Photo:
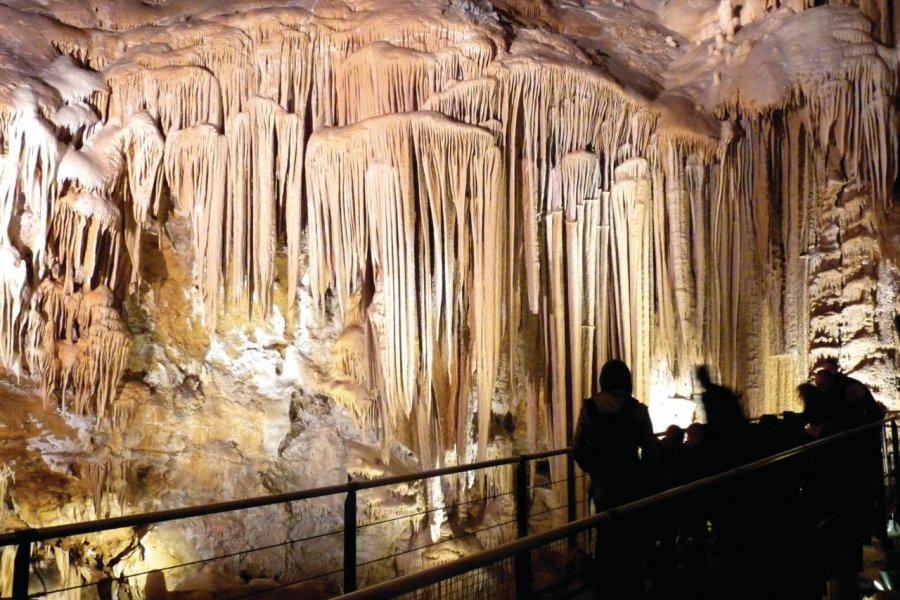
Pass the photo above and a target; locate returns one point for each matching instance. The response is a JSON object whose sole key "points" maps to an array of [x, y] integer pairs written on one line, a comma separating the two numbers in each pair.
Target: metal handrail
{"points": [[47, 533], [25, 537], [521, 546]]}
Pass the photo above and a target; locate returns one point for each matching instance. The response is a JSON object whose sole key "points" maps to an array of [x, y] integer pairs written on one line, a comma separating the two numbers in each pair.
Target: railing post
{"points": [[22, 564], [570, 492], [522, 498], [523, 559], [570, 486], [895, 451], [350, 538]]}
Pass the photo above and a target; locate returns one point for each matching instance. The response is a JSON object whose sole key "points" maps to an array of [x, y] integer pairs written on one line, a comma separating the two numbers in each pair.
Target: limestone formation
{"points": [[407, 234]]}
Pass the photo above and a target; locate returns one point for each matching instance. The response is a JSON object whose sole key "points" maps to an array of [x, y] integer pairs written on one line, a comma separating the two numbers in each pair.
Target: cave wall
{"points": [[407, 235]]}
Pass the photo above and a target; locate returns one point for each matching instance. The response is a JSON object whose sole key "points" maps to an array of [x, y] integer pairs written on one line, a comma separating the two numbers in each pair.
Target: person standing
{"points": [[725, 420], [614, 443]]}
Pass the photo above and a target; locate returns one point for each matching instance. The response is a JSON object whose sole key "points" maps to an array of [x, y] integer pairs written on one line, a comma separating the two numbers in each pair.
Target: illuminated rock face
{"points": [[406, 232]]}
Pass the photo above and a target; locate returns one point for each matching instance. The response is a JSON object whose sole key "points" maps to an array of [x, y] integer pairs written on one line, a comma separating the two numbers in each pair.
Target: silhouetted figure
{"points": [[667, 519], [611, 429], [725, 421], [694, 516], [793, 430], [766, 436], [858, 466], [727, 447], [672, 458], [819, 411], [853, 397]]}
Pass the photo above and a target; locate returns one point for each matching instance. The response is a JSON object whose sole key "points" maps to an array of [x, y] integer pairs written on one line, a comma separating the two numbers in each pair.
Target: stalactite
{"points": [[143, 148], [384, 162], [34, 154], [573, 227], [630, 224], [107, 478], [31, 332], [542, 219], [262, 228], [178, 97], [195, 165], [13, 286], [487, 214], [472, 101], [104, 343], [683, 209], [852, 112], [84, 347], [568, 110], [86, 234], [380, 79]]}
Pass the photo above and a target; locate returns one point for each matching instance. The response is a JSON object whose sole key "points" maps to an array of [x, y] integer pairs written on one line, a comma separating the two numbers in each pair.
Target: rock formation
{"points": [[400, 235]]}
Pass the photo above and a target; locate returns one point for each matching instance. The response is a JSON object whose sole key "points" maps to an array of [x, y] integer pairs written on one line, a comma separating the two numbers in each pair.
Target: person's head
{"points": [[674, 435], [830, 364], [703, 375], [694, 435], [768, 423], [615, 376], [808, 393], [824, 378]]}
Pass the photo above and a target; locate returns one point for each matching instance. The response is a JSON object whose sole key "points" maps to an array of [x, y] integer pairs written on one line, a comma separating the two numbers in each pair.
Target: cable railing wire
{"points": [[24, 538], [460, 567], [435, 509], [197, 562], [437, 543], [12, 538], [233, 554], [42, 535], [266, 590]]}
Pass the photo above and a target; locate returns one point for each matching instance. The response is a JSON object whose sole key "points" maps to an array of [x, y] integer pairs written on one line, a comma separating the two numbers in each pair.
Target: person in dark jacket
{"points": [[725, 420], [614, 443], [614, 440]]}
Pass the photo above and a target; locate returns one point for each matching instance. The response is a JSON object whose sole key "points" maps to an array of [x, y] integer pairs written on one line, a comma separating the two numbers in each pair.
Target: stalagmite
{"points": [[7, 565]]}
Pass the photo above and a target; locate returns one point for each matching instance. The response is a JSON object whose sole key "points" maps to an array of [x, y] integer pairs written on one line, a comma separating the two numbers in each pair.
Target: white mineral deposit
{"points": [[250, 247]]}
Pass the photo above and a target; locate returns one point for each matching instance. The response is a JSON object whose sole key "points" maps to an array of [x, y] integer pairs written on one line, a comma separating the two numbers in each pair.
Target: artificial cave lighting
{"points": [[252, 247]]}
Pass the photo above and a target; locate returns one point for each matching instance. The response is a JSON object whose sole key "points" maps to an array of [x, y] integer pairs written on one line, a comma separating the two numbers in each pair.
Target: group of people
{"points": [[615, 444], [836, 402]]}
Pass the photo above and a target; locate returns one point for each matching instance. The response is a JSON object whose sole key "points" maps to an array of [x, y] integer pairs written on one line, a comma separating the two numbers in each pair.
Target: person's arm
{"points": [[648, 441], [581, 445]]}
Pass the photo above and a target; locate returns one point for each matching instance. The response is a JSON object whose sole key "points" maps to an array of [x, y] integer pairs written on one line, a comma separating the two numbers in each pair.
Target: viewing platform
{"points": [[791, 524]]}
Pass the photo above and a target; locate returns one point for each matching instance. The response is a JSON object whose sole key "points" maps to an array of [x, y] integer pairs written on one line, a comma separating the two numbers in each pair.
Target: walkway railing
{"points": [[823, 509], [523, 567], [346, 573]]}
